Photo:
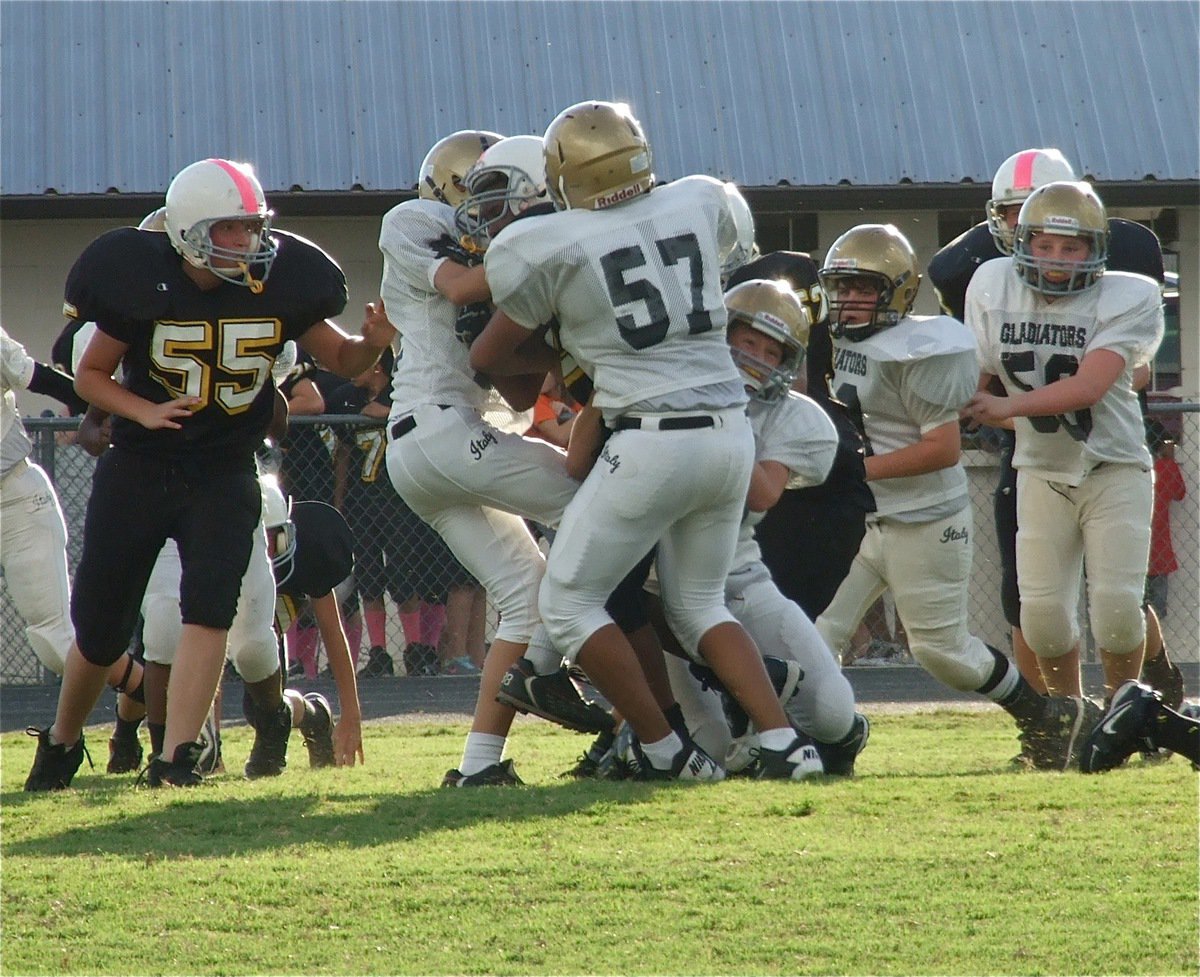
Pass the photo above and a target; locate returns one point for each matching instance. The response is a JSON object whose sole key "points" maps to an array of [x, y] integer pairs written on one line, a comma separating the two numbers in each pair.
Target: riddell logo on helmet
{"points": [[619, 196]]}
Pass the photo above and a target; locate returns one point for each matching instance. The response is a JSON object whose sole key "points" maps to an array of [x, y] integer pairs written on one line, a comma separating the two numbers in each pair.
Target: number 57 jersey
{"points": [[1029, 342]]}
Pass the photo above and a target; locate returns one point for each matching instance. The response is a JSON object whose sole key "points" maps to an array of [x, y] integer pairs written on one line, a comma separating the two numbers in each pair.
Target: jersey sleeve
{"points": [[16, 365], [953, 267], [518, 290], [309, 280], [115, 281], [799, 435], [1132, 324], [1134, 247], [406, 238], [936, 387], [976, 318]]}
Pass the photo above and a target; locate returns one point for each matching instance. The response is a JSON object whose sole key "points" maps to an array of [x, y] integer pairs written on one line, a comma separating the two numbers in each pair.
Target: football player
{"points": [[795, 444], [905, 379], [473, 483], [1132, 247], [197, 316], [33, 533], [1064, 337], [631, 275]]}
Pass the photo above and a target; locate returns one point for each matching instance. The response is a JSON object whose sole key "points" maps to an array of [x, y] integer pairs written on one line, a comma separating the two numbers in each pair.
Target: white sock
{"points": [[662, 752], [777, 739], [482, 751], [545, 657]]}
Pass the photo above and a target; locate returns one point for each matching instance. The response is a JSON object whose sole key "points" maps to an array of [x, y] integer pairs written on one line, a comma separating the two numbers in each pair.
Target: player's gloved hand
{"points": [[447, 247], [471, 321]]}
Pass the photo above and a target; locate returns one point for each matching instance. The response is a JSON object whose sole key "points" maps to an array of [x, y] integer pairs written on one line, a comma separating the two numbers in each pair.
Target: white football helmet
{"points": [[775, 310], [1017, 177], [214, 190], [508, 178], [745, 249], [156, 220], [1072, 209], [281, 531], [446, 164]]}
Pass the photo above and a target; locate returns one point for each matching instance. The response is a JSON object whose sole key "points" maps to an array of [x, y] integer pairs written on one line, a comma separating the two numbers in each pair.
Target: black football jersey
{"points": [[324, 558], [800, 271], [1131, 247], [217, 345]]}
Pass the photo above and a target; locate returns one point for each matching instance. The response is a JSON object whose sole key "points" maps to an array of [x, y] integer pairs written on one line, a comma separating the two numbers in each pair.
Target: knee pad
{"points": [[569, 618], [1118, 622], [50, 641], [255, 658], [1049, 628], [161, 629], [825, 709], [953, 657]]}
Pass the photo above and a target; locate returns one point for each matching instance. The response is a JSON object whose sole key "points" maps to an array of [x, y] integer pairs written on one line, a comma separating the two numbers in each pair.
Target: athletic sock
{"points": [[1007, 687], [544, 657], [126, 728], [158, 732], [482, 750], [662, 753], [777, 740]]}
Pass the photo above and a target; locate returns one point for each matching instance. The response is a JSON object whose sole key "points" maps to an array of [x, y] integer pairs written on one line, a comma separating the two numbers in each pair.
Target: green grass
{"points": [[937, 858]]}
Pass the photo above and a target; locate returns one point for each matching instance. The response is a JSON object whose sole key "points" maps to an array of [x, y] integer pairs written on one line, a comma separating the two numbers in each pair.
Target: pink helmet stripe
{"points": [[1023, 174], [244, 186]]}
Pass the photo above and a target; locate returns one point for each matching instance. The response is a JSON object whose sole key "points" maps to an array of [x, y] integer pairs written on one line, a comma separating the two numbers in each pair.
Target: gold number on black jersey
{"points": [[188, 357]]}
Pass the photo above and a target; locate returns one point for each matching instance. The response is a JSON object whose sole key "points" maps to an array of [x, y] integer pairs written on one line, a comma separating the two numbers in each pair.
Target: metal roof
{"points": [[333, 96]]}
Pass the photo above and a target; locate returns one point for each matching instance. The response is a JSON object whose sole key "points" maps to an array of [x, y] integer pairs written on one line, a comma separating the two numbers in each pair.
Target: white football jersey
{"points": [[798, 434], [16, 372], [1029, 342], [432, 366], [903, 382], [636, 292]]}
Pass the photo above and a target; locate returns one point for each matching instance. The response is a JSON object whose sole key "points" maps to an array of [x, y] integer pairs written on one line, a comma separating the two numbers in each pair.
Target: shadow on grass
{"points": [[201, 826]]}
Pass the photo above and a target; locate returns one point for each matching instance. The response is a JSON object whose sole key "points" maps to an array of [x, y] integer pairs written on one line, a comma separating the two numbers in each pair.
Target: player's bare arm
{"points": [[346, 355], [94, 383], [461, 285], [767, 482], [587, 435], [507, 348], [347, 733], [938, 448], [1098, 371]]}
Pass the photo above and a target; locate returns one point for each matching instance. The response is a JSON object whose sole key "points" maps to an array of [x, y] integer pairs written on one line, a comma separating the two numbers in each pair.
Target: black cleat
{"points": [[54, 764], [497, 775], [1054, 741], [268, 755], [181, 771], [838, 758], [594, 762], [317, 730], [798, 761], [1123, 730], [124, 752], [691, 763], [554, 697]]}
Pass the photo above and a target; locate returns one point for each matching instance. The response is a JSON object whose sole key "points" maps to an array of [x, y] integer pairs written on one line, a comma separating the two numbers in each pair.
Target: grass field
{"points": [[937, 858]]}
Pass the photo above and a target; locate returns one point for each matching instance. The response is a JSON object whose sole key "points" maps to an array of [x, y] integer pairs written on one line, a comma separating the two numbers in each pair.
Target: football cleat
{"points": [[554, 697], [1053, 741], [268, 755], [181, 771], [838, 758], [690, 763], [54, 764], [124, 752], [497, 775], [1164, 675], [317, 730], [593, 760], [1123, 730], [798, 761], [210, 759]]}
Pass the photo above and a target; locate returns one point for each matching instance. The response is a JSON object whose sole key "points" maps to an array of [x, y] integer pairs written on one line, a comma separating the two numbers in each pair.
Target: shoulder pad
{"points": [[308, 274], [1123, 292], [918, 338], [121, 275], [1134, 247]]}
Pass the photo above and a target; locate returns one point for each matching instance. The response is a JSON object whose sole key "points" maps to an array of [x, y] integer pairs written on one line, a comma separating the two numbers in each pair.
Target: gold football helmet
{"points": [[596, 156], [1067, 208], [882, 255], [444, 169], [774, 309]]}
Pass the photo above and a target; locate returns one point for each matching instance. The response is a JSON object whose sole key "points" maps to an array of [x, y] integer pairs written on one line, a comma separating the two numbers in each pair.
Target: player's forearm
{"points": [[926, 455], [767, 481], [461, 285], [1061, 397], [356, 355], [101, 391], [329, 624]]}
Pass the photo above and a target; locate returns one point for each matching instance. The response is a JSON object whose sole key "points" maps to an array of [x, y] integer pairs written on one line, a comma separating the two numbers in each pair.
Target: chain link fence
{"points": [[319, 462]]}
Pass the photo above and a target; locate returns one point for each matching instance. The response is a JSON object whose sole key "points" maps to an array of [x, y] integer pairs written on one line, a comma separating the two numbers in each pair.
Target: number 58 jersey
{"points": [[635, 289], [1030, 342]]}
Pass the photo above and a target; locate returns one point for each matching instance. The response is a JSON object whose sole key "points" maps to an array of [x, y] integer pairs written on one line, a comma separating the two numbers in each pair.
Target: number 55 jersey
{"points": [[1029, 341]]}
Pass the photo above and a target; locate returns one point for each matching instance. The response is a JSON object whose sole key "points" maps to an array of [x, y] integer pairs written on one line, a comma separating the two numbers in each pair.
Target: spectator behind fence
{"points": [[1168, 487]]}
